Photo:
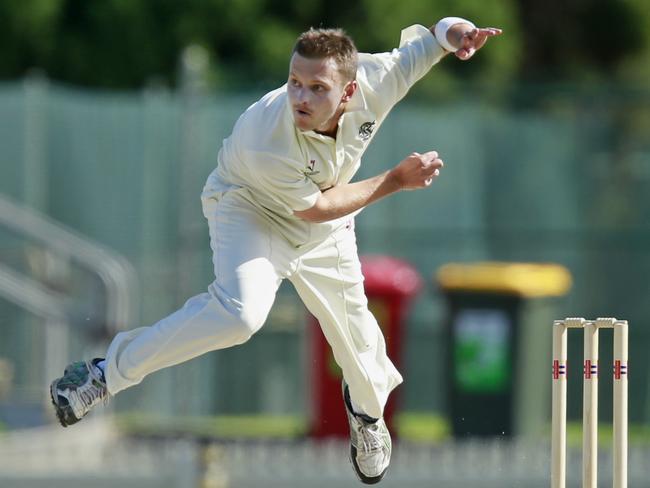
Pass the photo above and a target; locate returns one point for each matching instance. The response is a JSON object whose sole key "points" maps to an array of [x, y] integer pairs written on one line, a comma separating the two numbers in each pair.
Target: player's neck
{"points": [[332, 127]]}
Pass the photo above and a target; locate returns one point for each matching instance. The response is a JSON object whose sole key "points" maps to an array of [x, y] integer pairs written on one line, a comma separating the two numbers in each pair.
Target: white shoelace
{"points": [[372, 440], [86, 397]]}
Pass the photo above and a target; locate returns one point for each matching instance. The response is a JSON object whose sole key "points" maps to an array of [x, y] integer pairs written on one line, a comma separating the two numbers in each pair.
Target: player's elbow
{"points": [[319, 212]]}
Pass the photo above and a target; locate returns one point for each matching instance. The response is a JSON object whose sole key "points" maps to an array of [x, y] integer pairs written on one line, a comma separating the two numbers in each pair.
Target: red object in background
{"points": [[390, 284]]}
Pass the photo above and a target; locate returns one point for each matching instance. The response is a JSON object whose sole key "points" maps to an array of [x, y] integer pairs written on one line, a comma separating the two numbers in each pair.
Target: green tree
{"points": [[124, 43], [577, 39]]}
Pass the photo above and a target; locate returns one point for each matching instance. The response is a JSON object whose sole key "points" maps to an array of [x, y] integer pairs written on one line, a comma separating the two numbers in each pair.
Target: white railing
{"points": [[115, 272], [30, 294]]}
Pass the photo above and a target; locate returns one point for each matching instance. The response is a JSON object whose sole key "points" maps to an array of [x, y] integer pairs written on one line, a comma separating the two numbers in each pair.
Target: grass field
{"points": [[411, 427]]}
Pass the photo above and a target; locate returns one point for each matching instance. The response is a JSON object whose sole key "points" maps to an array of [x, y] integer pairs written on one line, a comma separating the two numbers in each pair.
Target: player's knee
{"points": [[243, 319], [248, 320]]}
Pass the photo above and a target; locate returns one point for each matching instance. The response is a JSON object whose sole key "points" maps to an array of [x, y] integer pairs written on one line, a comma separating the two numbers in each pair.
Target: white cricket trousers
{"points": [[250, 260]]}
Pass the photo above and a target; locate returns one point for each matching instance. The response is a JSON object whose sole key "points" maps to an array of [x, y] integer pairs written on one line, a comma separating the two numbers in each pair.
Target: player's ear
{"points": [[348, 90]]}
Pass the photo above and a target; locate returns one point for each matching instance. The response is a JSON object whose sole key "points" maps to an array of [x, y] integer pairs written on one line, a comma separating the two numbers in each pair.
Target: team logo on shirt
{"points": [[365, 131], [309, 171]]}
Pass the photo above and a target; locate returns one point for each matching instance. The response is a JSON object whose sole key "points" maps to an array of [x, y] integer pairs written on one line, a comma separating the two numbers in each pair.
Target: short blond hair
{"points": [[329, 43]]}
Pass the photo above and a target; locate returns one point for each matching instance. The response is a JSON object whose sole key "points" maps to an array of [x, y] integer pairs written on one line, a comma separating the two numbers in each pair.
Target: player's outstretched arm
{"points": [[413, 172], [461, 37]]}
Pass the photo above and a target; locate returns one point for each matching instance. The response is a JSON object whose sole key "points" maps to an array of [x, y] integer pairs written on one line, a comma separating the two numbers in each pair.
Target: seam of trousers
{"points": [[337, 243]]}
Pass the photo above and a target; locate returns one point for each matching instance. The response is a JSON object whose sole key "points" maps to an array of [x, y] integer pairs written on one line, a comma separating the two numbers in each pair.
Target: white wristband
{"points": [[441, 31]]}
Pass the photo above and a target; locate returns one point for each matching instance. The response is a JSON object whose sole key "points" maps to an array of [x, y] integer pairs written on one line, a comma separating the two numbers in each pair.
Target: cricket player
{"points": [[280, 204]]}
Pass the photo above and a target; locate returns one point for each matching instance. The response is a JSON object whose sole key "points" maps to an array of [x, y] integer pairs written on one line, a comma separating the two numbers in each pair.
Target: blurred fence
{"points": [[556, 174], [95, 454]]}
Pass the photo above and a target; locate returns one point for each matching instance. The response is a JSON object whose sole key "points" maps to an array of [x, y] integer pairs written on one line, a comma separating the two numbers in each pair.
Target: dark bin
{"points": [[499, 345]]}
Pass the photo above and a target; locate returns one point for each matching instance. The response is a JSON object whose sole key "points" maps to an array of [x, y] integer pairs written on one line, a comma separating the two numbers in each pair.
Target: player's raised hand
{"points": [[417, 170], [473, 40]]}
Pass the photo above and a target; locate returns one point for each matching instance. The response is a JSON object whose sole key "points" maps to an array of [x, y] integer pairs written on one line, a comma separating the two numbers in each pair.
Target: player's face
{"points": [[317, 93]]}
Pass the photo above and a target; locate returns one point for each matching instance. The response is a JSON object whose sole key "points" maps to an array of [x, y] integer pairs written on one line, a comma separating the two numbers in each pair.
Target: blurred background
{"points": [[111, 116]]}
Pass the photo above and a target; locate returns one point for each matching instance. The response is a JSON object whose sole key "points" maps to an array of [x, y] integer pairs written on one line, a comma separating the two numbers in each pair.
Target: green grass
{"points": [[422, 427], [416, 427], [412, 426], [224, 426], [638, 434]]}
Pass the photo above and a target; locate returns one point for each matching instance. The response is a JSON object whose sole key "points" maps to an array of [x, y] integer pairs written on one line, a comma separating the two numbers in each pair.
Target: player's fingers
{"points": [[435, 164], [475, 40], [429, 156], [483, 35], [431, 166], [467, 39], [465, 53], [431, 177], [492, 31], [431, 171]]}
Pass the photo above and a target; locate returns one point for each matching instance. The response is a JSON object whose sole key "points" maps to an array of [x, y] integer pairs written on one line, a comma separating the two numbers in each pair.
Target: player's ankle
{"points": [[356, 410]]}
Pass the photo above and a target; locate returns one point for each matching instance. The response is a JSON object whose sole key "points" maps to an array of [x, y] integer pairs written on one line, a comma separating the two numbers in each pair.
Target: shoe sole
{"points": [[362, 477], [64, 413]]}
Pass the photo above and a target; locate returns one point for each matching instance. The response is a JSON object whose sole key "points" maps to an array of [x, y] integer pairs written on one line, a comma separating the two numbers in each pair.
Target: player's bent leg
{"points": [[248, 275], [81, 387], [207, 322]]}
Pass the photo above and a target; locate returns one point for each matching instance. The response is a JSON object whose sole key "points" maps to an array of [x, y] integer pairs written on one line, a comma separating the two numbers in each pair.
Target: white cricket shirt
{"points": [[277, 168]]}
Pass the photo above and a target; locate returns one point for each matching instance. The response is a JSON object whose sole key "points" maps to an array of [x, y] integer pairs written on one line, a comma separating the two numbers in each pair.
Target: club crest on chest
{"points": [[366, 129]]}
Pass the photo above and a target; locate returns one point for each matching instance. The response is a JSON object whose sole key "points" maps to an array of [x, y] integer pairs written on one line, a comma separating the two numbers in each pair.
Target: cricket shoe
{"points": [[370, 444], [81, 387]]}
